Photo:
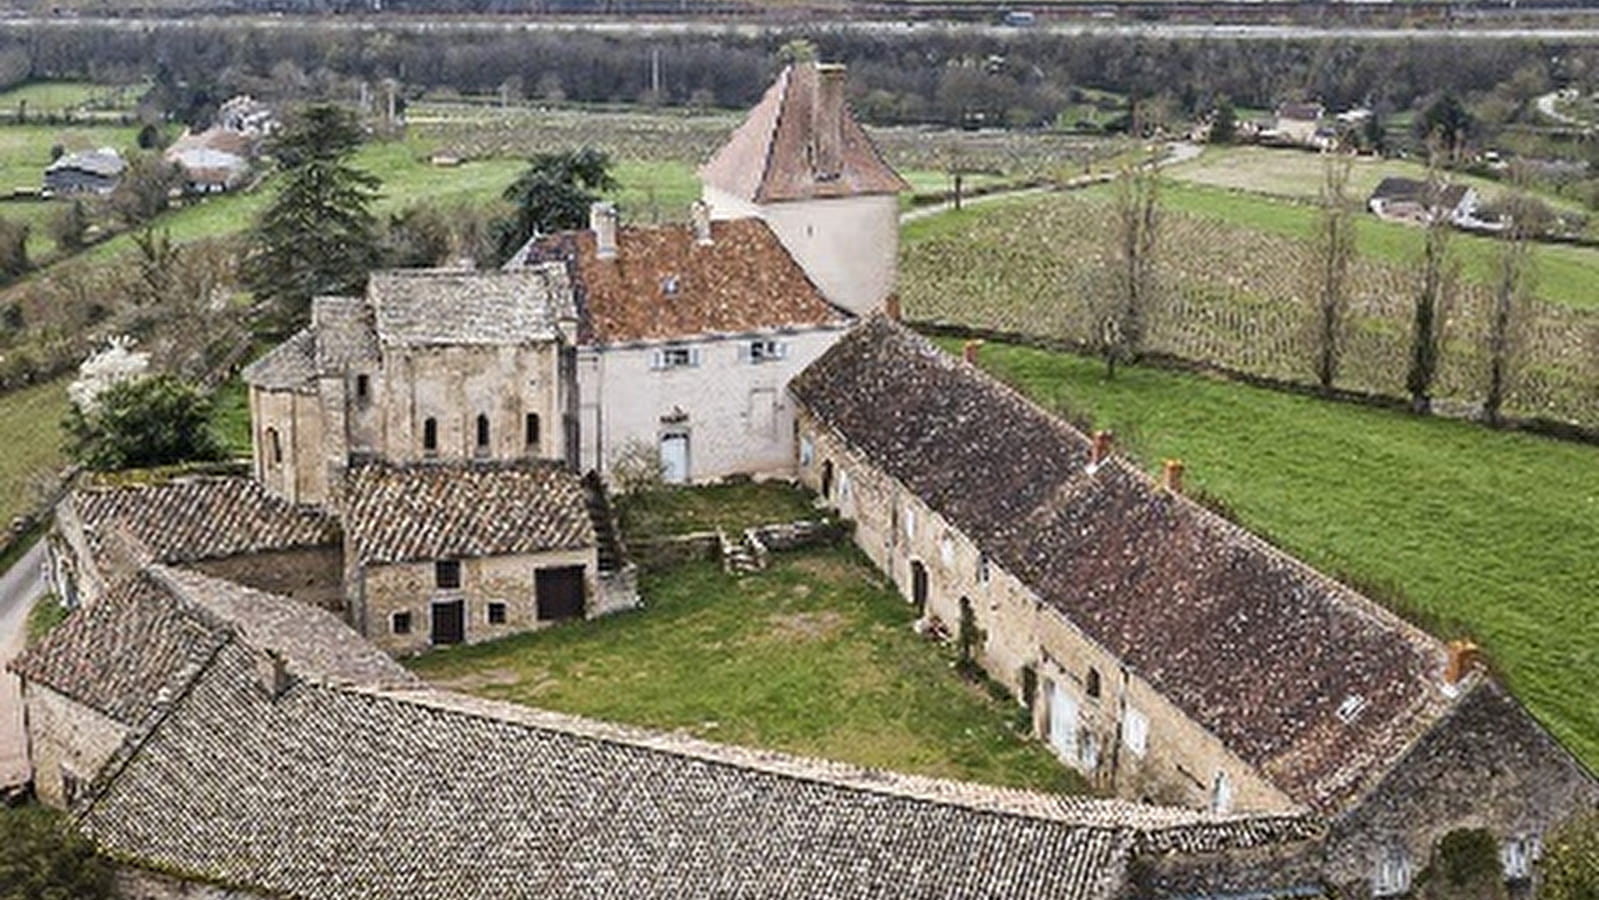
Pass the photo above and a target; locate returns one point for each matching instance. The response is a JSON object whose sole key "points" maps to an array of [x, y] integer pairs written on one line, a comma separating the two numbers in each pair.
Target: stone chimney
{"points": [[602, 220], [271, 673], [970, 350], [1171, 477], [1103, 441], [1463, 657], [827, 122], [699, 213]]}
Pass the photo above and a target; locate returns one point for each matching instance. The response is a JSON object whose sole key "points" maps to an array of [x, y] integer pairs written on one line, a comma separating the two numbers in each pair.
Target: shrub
{"points": [[143, 422], [42, 858]]}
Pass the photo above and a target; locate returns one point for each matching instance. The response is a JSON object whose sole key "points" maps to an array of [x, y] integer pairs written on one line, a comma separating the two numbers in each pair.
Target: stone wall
{"points": [[287, 443], [386, 589], [1179, 762], [311, 575], [65, 738]]}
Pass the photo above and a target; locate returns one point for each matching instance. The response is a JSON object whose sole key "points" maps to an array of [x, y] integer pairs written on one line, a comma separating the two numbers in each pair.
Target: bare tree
{"points": [[1136, 233], [1435, 293], [1334, 249], [1507, 325]]}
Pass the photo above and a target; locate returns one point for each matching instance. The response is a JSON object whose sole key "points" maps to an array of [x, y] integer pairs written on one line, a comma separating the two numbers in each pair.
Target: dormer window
{"points": [[670, 286], [1350, 709]]}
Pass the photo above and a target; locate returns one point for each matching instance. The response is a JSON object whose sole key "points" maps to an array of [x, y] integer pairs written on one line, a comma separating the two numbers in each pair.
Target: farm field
{"points": [[24, 154], [30, 420], [55, 97], [1465, 529], [814, 655]]}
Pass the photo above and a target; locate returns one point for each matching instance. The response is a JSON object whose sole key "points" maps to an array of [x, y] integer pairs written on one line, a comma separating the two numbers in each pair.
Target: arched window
{"points": [[274, 447], [827, 479], [482, 432], [1092, 686], [532, 428], [430, 436]]}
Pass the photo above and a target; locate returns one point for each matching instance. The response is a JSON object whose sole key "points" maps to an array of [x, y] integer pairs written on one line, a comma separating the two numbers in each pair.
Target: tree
{"points": [[553, 194], [69, 227], [1465, 866], [1333, 251], [1224, 123], [1434, 294], [1512, 295], [318, 235], [1446, 120], [13, 250], [43, 858], [150, 137], [1570, 864], [145, 189], [1136, 234], [417, 236], [151, 421]]}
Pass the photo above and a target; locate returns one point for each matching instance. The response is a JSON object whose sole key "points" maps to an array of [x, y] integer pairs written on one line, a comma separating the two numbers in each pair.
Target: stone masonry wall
{"points": [[311, 575], [1180, 760], [64, 736]]}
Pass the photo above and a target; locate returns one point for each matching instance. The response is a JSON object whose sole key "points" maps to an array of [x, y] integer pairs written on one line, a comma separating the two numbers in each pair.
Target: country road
{"points": [[19, 587]]}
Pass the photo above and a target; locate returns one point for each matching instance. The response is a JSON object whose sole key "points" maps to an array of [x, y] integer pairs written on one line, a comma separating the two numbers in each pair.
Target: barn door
{"points": [[449, 622], [559, 593], [1062, 722], [674, 458]]}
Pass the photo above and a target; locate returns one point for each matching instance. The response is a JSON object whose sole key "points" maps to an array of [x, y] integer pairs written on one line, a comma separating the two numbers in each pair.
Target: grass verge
{"points": [[812, 656], [1457, 526]]}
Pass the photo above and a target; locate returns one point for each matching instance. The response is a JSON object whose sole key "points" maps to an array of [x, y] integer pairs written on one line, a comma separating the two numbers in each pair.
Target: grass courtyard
{"points": [[1466, 529], [814, 656]]}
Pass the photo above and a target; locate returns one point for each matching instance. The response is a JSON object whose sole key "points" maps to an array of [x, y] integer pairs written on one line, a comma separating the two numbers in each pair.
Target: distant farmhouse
{"points": [[429, 467], [85, 172], [218, 159], [1303, 124], [1411, 202]]}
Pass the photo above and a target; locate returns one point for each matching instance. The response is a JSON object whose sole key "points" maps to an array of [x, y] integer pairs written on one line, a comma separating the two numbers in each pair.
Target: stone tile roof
{"points": [[455, 306], [291, 365], [342, 335], [769, 157], [200, 517], [1249, 643], [444, 510], [338, 792], [663, 285], [117, 655]]}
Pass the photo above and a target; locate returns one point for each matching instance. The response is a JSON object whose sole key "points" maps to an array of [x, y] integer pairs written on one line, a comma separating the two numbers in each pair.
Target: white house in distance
{"points": [[801, 163]]}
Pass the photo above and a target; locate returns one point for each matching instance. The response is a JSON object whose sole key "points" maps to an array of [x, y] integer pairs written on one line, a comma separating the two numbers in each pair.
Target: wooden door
{"points": [[449, 622], [559, 593], [674, 458]]}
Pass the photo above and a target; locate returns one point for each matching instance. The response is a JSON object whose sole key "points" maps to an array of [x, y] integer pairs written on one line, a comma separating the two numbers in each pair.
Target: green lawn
{"points": [[32, 418], [1565, 274], [1467, 528], [813, 656], [57, 96], [732, 507]]}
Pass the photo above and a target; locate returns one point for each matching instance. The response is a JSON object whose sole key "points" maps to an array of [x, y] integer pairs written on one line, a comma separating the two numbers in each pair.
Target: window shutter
{"points": [[743, 352], [694, 356], [658, 359], [782, 350]]}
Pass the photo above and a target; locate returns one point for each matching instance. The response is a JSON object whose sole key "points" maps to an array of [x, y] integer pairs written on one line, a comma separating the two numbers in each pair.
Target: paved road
{"points": [[18, 589]]}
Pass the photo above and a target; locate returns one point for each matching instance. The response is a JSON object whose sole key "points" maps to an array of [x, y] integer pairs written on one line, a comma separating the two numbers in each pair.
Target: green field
{"points": [[58, 96], [32, 429], [1463, 528], [814, 656]]}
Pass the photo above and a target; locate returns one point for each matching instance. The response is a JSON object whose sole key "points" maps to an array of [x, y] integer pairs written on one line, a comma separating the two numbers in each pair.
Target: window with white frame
{"points": [[1135, 731], [1221, 793], [766, 350], [807, 451], [1517, 855], [1391, 876], [676, 358]]}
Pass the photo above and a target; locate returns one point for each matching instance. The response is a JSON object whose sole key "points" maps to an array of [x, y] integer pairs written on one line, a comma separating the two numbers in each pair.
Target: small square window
{"points": [[400, 623], [447, 574], [496, 613], [674, 358], [766, 351]]}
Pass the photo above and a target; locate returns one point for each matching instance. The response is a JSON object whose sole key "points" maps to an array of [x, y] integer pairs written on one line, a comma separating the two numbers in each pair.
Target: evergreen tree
{"points": [[553, 194], [318, 236], [1224, 125], [151, 421]]}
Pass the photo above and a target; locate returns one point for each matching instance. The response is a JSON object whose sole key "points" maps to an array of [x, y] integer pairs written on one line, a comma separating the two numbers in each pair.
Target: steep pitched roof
{"points": [[443, 510], [339, 792], [662, 284], [200, 517], [1255, 647], [770, 157], [453, 306]]}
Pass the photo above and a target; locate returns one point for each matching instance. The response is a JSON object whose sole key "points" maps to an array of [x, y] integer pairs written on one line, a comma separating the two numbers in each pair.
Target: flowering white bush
{"points": [[117, 363]]}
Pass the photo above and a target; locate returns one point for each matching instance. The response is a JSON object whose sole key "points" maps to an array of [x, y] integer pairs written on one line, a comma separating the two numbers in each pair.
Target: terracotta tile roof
{"points": [[662, 285], [445, 510], [771, 156], [201, 517], [339, 792], [457, 306], [1252, 645]]}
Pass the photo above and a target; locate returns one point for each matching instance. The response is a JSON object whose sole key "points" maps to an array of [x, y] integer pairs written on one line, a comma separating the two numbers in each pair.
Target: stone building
{"points": [[802, 164], [687, 337], [1166, 653], [245, 745]]}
